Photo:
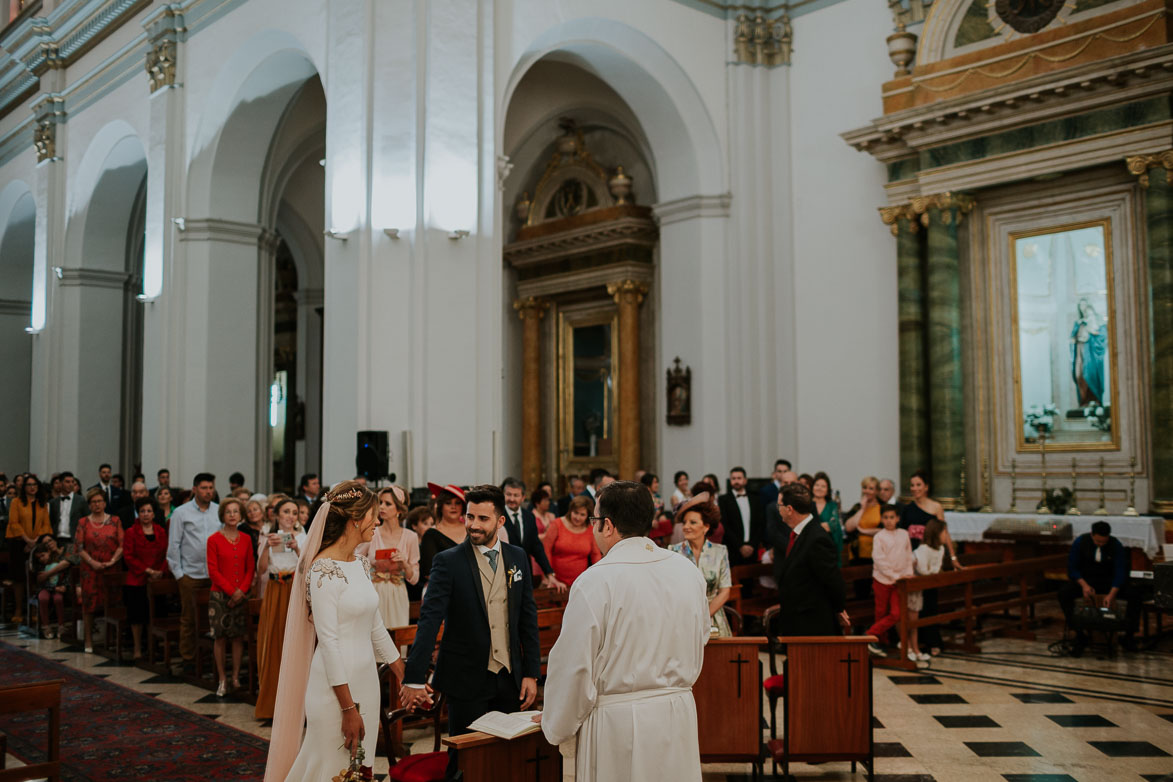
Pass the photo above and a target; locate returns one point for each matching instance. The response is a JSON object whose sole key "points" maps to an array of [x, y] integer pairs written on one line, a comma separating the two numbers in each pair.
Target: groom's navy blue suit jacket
{"points": [[456, 598]]}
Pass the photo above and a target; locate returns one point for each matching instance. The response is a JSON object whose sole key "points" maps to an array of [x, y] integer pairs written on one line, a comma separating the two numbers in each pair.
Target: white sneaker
{"points": [[912, 656], [876, 651], [924, 657]]}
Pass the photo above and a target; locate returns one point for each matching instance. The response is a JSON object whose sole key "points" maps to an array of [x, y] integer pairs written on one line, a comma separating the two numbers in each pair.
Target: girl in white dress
{"points": [[336, 605], [395, 554]]}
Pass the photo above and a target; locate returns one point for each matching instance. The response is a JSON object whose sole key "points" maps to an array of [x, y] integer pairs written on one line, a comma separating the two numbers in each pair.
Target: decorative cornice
{"points": [[690, 207], [49, 112], [531, 308], [93, 278], [630, 231], [165, 30], [1139, 165], [584, 279], [216, 230], [630, 290], [15, 307]]}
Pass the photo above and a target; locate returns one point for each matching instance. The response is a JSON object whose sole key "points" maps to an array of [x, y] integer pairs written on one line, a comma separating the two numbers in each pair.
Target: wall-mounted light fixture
{"points": [[59, 272], [180, 223], [457, 234], [392, 232], [145, 299], [341, 236]]}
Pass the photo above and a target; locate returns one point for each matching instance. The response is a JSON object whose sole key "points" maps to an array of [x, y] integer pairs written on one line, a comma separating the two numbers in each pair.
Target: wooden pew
{"points": [[113, 610], [163, 628], [34, 697]]}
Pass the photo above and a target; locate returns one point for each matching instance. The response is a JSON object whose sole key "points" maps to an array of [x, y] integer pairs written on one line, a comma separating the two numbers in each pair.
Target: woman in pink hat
{"points": [[449, 529]]}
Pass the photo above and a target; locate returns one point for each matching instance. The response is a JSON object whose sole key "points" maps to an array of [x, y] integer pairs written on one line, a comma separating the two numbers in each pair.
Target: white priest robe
{"points": [[620, 676]]}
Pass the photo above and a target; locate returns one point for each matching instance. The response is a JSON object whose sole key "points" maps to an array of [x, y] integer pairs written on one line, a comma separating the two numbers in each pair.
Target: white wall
{"points": [[845, 259]]}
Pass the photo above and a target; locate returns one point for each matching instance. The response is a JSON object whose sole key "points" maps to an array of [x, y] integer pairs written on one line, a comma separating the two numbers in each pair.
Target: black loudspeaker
{"points": [[372, 457], [1163, 582]]}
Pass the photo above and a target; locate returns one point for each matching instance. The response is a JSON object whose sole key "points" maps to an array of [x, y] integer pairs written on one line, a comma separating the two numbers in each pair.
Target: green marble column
{"points": [[914, 406], [943, 315], [1159, 225]]}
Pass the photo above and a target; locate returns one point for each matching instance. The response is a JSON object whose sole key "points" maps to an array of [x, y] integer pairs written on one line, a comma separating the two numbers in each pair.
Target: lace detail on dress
{"points": [[325, 568], [366, 564]]}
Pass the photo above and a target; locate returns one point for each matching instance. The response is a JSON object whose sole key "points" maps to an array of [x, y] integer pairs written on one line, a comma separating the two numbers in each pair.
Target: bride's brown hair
{"points": [[349, 501]]}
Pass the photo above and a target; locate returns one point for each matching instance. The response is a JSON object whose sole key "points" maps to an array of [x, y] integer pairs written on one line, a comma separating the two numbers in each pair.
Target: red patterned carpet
{"points": [[111, 733]]}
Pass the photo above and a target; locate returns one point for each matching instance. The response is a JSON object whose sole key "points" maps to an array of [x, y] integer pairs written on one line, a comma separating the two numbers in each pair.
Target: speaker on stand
{"points": [[372, 457]]}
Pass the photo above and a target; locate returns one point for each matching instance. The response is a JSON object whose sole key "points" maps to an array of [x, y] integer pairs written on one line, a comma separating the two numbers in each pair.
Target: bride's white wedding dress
{"points": [[351, 635]]}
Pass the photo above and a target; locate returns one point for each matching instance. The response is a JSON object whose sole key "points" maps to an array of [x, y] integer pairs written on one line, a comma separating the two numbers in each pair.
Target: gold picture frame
{"points": [[569, 319], [1069, 435]]}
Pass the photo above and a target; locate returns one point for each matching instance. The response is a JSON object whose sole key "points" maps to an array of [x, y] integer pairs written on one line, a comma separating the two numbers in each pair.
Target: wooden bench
{"points": [[34, 697], [114, 616], [163, 628]]}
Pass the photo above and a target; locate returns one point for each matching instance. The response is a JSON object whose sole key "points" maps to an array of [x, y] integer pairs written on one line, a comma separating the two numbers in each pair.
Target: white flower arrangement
{"points": [[1041, 418], [1098, 416]]}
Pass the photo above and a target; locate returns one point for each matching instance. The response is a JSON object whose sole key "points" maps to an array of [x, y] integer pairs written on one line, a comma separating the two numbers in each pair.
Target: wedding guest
{"points": [[892, 560], [698, 518], [66, 510], [708, 487], [929, 556], [570, 544], [420, 520], [146, 560], [395, 553], [99, 544], [231, 566], [864, 517], [187, 555], [652, 481], [914, 517], [886, 493], [807, 480], [254, 514], [166, 501], [540, 504], [575, 486], [448, 509], [28, 519], [303, 512], [680, 481], [271, 503], [715, 482], [827, 511], [51, 565], [277, 556]]}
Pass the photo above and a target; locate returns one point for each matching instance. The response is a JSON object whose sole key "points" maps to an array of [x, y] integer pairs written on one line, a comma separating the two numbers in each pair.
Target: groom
{"points": [[482, 592]]}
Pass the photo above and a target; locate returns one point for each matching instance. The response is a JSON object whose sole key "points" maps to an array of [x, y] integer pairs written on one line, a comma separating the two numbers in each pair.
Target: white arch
{"points": [[247, 102], [18, 212], [100, 203], [687, 151]]}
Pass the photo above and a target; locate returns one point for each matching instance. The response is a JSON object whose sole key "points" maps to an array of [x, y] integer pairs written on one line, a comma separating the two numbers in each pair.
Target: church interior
{"points": [[914, 254]]}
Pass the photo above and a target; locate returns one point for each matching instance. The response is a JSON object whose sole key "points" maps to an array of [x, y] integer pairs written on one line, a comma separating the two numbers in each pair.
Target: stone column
{"points": [[914, 405], [531, 311], [628, 294], [942, 214], [1159, 230]]}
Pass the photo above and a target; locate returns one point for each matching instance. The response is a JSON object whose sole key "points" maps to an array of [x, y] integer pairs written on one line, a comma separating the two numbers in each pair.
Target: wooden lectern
{"points": [[827, 705], [728, 697], [528, 758]]}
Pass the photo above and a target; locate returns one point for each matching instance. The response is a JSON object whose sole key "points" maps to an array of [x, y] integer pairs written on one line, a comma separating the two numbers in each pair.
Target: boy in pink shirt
{"points": [[892, 560]]}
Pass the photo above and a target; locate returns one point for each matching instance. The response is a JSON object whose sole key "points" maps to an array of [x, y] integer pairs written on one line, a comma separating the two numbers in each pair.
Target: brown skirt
{"points": [[224, 620], [270, 639]]}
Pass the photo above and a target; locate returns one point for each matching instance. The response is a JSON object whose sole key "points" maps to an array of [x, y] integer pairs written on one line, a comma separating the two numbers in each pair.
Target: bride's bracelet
{"points": [[351, 706]]}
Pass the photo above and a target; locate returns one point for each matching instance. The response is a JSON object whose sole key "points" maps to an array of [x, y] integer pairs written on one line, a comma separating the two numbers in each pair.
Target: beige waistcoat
{"points": [[496, 586]]}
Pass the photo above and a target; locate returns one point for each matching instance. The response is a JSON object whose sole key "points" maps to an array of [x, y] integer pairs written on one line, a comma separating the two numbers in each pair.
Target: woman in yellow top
{"points": [[865, 517], [28, 519]]}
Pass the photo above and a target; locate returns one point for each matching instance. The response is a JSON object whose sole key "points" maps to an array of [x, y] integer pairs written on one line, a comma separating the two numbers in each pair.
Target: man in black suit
{"points": [[523, 531], [128, 513], [482, 592], [576, 486], [768, 494], [115, 497], [742, 519], [66, 511], [811, 591]]}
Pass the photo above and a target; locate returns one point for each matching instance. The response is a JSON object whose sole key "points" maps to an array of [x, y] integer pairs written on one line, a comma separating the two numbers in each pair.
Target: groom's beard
{"points": [[482, 538]]}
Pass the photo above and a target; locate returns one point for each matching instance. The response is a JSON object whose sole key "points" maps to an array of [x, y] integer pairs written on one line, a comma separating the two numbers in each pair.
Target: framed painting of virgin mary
{"points": [[1064, 342]]}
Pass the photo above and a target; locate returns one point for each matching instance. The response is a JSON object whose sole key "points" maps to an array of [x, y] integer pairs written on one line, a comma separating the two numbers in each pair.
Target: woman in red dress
{"points": [[99, 544], [146, 560], [570, 543]]}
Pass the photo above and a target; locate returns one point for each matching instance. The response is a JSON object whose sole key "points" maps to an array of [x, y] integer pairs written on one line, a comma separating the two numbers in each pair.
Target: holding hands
{"points": [[412, 698]]}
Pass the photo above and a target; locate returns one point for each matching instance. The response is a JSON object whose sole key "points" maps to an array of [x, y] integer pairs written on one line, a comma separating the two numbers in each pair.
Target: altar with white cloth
{"points": [[1146, 533]]}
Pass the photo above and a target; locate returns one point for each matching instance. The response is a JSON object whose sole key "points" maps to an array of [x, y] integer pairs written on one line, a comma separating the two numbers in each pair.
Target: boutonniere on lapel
{"points": [[513, 574]]}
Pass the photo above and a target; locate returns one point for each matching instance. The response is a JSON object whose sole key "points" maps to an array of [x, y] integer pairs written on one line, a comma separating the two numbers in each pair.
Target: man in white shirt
{"points": [[521, 529], [66, 511], [187, 555], [631, 647]]}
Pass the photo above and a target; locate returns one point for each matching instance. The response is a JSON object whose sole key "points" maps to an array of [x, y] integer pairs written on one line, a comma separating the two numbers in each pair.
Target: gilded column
{"points": [[914, 405], [531, 311], [628, 294], [1159, 229], [941, 215]]}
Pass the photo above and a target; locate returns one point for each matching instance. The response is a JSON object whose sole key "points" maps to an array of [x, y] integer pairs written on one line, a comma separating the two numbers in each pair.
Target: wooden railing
{"points": [[40, 696]]}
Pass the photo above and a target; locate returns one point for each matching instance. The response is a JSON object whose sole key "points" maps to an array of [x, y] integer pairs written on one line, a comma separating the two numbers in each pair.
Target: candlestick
{"points": [[987, 508], [961, 503], [1073, 511], [1043, 461], [1103, 509], [1131, 509], [1014, 485]]}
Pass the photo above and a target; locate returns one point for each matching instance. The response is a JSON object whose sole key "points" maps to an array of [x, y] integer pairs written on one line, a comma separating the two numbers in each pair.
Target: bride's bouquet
{"points": [[356, 771]]}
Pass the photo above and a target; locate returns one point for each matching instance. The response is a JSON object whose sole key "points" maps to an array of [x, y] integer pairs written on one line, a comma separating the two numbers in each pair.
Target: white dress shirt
{"points": [[743, 506], [801, 526], [63, 530]]}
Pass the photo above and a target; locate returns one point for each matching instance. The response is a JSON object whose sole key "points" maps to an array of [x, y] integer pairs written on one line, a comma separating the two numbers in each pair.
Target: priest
{"points": [[619, 682]]}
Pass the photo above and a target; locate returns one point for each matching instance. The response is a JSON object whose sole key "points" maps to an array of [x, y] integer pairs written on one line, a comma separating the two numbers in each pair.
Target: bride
{"points": [[336, 604]]}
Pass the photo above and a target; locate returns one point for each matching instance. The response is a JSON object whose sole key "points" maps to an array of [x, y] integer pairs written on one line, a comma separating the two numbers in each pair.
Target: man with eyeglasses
{"points": [[632, 643]]}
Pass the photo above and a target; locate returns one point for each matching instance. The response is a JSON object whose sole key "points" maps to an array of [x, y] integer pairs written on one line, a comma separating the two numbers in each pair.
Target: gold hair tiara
{"points": [[349, 494]]}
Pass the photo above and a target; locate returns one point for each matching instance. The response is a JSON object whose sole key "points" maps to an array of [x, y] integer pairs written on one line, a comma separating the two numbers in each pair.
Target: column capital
{"points": [[165, 30], [531, 307], [892, 215], [952, 206], [48, 113], [632, 290], [1139, 165]]}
